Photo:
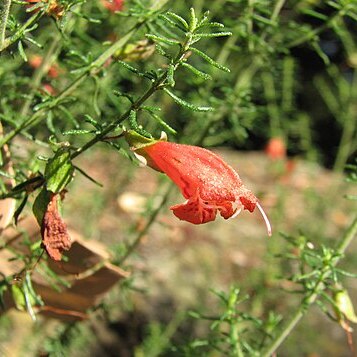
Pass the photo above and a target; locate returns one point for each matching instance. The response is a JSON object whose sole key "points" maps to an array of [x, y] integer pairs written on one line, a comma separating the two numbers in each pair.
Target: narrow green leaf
{"points": [[211, 25], [87, 176], [193, 20], [77, 132], [315, 14], [178, 18], [34, 42], [132, 119], [42, 105], [59, 171], [135, 126], [90, 120], [196, 71], [30, 296], [346, 273], [150, 108], [173, 23], [170, 76], [162, 39], [54, 280], [21, 51], [49, 122], [131, 68], [160, 50], [34, 7], [3, 287], [33, 182], [69, 115], [20, 209], [19, 297], [209, 59], [96, 96], [211, 35], [316, 45], [204, 19], [40, 205], [117, 93], [162, 122], [263, 20], [186, 104]]}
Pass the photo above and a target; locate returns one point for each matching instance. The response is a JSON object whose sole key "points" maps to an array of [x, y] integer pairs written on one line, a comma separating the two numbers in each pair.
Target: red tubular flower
{"points": [[205, 180]]}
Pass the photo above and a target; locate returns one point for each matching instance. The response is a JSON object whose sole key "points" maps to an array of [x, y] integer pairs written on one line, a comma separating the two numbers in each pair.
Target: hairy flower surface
{"points": [[208, 183]]}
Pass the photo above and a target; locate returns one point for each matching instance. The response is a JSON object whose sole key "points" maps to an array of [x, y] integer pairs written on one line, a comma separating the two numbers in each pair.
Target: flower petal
{"points": [[192, 212], [226, 209], [248, 200]]}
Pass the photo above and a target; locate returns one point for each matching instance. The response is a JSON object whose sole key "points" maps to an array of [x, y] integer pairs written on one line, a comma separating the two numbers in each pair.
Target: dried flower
{"points": [[205, 180], [54, 8], [55, 237]]}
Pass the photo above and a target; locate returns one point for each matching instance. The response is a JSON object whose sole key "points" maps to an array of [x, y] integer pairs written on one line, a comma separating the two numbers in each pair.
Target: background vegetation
{"points": [[249, 76]]}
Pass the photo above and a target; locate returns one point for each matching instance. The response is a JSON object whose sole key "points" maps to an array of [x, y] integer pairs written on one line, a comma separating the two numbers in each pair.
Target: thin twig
{"points": [[19, 33], [3, 20], [310, 35], [39, 115], [40, 72], [148, 224], [313, 294], [91, 69], [278, 6]]}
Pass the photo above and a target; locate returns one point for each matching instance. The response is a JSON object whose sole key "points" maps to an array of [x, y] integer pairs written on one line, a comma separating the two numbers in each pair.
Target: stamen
{"points": [[266, 219]]}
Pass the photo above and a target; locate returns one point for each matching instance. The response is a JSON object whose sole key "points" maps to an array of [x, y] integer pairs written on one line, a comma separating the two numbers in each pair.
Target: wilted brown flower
{"points": [[54, 9], [55, 237]]}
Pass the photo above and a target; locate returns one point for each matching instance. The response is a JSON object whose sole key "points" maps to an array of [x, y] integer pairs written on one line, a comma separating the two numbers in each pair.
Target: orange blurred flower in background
{"points": [[113, 5], [276, 148], [35, 61]]}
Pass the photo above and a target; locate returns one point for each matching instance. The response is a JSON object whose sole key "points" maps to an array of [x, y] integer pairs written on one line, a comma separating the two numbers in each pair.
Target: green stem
{"points": [[38, 116], [98, 63], [318, 30], [349, 121], [20, 32], [312, 296], [158, 84], [3, 17], [233, 325], [272, 105], [148, 224], [40, 72], [115, 123], [277, 8]]}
